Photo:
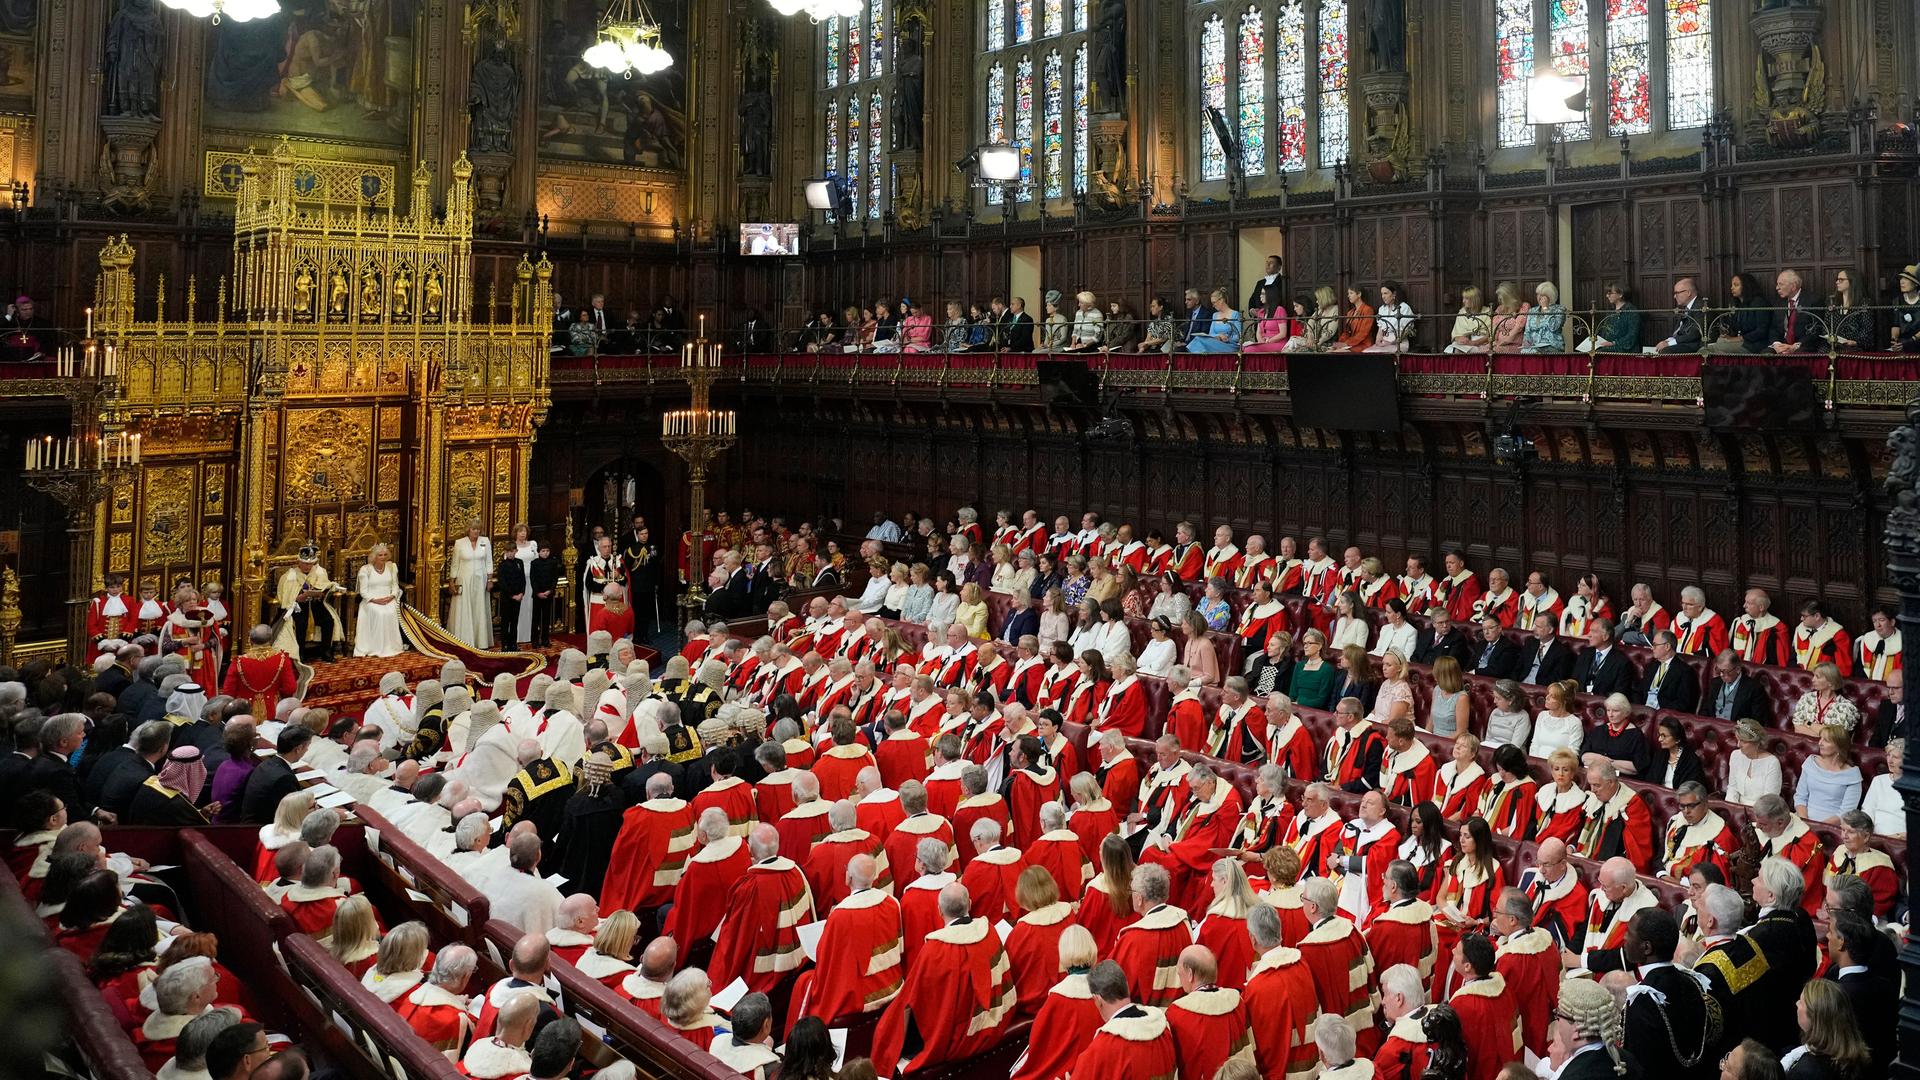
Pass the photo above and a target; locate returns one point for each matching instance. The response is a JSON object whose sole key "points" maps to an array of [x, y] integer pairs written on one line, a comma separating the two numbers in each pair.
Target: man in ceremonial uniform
{"points": [[538, 793], [1337, 955], [656, 837], [604, 568], [1416, 586], [1368, 843], [1528, 959], [1356, 751], [1819, 639], [992, 876], [1783, 834], [1223, 558], [1205, 825], [1489, 1017], [1700, 630], [1501, 601], [1280, 1001], [1400, 929], [1148, 949], [1672, 1022], [1756, 974], [1408, 771], [1758, 636], [1314, 834], [1558, 895], [759, 939], [1540, 600], [1877, 652], [1618, 822], [700, 896], [957, 997], [262, 675], [857, 968], [1187, 559], [304, 596], [1209, 1021], [1621, 894], [109, 615], [826, 862], [1697, 836]]}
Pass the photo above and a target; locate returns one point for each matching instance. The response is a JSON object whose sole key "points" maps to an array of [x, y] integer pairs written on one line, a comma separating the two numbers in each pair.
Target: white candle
{"points": [[136, 449], [89, 322], [31, 462]]}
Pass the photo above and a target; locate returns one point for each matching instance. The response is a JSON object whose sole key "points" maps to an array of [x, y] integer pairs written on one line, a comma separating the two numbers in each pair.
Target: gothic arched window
{"points": [[1034, 71], [1653, 60], [1277, 71]]}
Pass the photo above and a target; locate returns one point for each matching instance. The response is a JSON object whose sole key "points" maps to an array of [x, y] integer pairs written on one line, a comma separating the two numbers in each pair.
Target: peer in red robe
{"points": [[1123, 708], [1871, 865], [1188, 720], [773, 795], [1490, 1023], [1709, 841], [1031, 785], [437, 1016], [650, 854], [1187, 850], [1098, 915], [1061, 1030], [903, 844], [944, 789], [312, 907], [1529, 961], [802, 826], [838, 767], [758, 939], [1559, 905], [700, 897], [1353, 751], [1223, 930], [1134, 1043], [878, 810], [826, 865], [1401, 931], [1093, 822], [1033, 953], [1281, 1005], [1060, 853], [1209, 1026], [857, 969], [1148, 950], [920, 912], [955, 1003], [981, 806], [1459, 789], [1342, 968], [1408, 771], [992, 880], [1800, 846], [1314, 834], [903, 755], [1119, 776], [733, 796], [1616, 823]]}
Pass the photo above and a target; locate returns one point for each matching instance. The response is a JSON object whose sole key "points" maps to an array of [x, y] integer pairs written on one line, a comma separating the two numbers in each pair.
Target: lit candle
{"points": [[136, 449], [716, 356], [89, 322], [46, 452]]}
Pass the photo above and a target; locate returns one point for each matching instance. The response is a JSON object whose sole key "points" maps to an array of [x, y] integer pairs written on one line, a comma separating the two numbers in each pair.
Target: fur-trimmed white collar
{"points": [[967, 933], [1209, 1001], [1492, 986], [491, 1059], [1052, 915], [1147, 1027], [389, 988], [719, 851], [597, 965], [1164, 917]]}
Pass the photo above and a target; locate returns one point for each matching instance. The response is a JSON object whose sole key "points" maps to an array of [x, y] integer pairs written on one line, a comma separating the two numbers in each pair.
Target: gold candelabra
{"points": [[698, 434]]}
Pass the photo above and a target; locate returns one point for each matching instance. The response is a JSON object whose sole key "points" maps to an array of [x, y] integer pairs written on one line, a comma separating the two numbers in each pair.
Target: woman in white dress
{"points": [[469, 615], [377, 631]]}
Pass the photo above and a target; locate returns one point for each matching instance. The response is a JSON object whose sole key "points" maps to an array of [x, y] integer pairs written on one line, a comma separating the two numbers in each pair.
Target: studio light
{"points": [[1556, 99], [818, 9], [820, 195], [999, 163], [628, 41], [237, 10]]}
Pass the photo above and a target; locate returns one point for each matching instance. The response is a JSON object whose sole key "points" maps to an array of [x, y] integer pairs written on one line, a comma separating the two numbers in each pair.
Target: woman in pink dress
{"points": [[1509, 318], [916, 327], [1271, 327]]}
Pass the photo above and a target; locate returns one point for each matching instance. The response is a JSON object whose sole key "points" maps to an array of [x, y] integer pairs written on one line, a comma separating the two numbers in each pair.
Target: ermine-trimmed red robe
{"points": [[1281, 1005], [1490, 1023], [826, 865], [1093, 822], [1404, 933], [991, 879], [1201, 829], [903, 846], [1226, 936], [902, 756], [838, 767], [1342, 970], [1031, 787], [1209, 1026], [1187, 720], [1801, 846], [1712, 841], [879, 812], [1530, 963], [954, 1004], [1060, 853], [1097, 915], [801, 827], [656, 837], [734, 797], [701, 896], [758, 938], [1137, 1044], [1873, 866], [1459, 791], [858, 969], [1033, 952], [972, 809], [1149, 952], [1061, 1030], [1120, 783]]}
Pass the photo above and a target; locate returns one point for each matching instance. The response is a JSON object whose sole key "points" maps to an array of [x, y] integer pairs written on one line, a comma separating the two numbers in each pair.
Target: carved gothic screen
{"points": [[1034, 78], [1278, 71], [1648, 64], [857, 85]]}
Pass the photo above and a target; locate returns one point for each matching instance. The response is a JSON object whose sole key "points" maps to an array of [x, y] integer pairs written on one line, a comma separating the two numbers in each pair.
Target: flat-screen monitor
{"points": [[1776, 397], [770, 238], [1344, 391]]}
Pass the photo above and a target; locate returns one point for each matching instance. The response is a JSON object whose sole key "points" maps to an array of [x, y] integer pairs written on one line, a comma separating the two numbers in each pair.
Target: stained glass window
{"points": [[856, 47], [1570, 42], [1055, 12], [877, 24], [876, 145], [833, 139], [1022, 21], [1251, 60], [1213, 95], [833, 52], [1053, 130], [1081, 13], [1513, 57], [1629, 69], [996, 117], [1082, 108], [1689, 63], [1023, 124], [996, 24], [1290, 86], [1333, 82], [852, 175]]}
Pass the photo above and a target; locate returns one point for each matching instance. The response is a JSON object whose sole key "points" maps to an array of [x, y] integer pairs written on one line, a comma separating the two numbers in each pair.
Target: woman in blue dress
{"points": [[1223, 334]]}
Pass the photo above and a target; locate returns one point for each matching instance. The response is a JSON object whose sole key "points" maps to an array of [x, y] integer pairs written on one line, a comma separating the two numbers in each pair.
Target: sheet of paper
{"points": [[1003, 928], [159, 868], [810, 938], [322, 788], [263, 751], [556, 880], [729, 995], [838, 1036], [419, 897], [335, 800]]}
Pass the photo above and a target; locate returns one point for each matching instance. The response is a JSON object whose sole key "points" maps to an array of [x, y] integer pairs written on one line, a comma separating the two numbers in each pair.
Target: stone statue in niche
{"points": [[131, 75], [1110, 57], [909, 99], [1387, 34], [493, 101], [756, 114]]}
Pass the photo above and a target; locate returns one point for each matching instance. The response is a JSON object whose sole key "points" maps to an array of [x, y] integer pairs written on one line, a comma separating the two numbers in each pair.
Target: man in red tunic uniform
{"points": [[700, 897], [1134, 1041], [1187, 559], [1488, 1018], [1204, 826], [903, 843], [857, 963], [1337, 955], [1527, 959], [903, 754], [262, 675], [110, 615], [993, 875], [1209, 1021], [758, 938], [957, 997], [1280, 1001], [651, 852], [1148, 949], [826, 861], [839, 765], [1400, 929], [1032, 784]]}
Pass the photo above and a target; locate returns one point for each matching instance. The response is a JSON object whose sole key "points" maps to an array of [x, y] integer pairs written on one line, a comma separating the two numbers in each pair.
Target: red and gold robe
{"points": [[1060, 853], [1033, 953], [858, 968], [1148, 951], [1061, 1029], [700, 898], [261, 675], [1263, 826], [1315, 841], [1504, 606], [991, 879], [1559, 907], [1510, 807], [312, 908], [1607, 922], [1873, 866], [1226, 935], [1560, 815], [773, 795], [943, 789], [734, 797], [1136, 1044], [1530, 963], [920, 912], [826, 865], [1404, 933], [1491, 1024], [1459, 791], [1347, 752], [1827, 644], [1622, 825], [1376, 845], [1342, 970], [648, 858], [1282, 1004], [903, 845], [1209, 1026], [1875, 656], [1759, 641], [1254, 569], [758, 939], [1260, 622], [838, 767], [1408, 776], [1701, 635], [801, 827], [1202, 828], [1459, 594], [1120, 783], [955, 1003], [1548, 603], [1687, 846], [1187, 560]]}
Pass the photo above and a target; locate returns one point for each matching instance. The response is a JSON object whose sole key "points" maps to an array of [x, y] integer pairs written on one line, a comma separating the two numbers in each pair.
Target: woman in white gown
{"points": [[470, 614], [377, 631]]}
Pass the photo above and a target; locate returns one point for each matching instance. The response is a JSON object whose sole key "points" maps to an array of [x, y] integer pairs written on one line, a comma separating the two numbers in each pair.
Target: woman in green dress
{"points": [[1313, 677]]}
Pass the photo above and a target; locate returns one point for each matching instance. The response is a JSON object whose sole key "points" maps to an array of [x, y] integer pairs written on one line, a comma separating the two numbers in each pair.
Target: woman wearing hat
{"points": [[1906, 313], [1056, 334]]}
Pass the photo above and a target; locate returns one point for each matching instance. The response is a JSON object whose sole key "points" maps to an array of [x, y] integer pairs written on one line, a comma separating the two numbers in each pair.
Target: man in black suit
{"points": [[1795, 329], [121, 770], [732, 600], [1495, 656], [1016, 328], [18, 764], [1441, 638], [1669, 682], [1876, 1002], [273, 779], [60, 738], [755, 334], [768, 577], [1661, 1026], [1276, 276], [673, 326], [1199, 317], [1850, 893], [1547, 659], [1735, 695], [651, 758], [1689, 310], [119, 675], [1602, 669], [140, 694], [1890, 716]]}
